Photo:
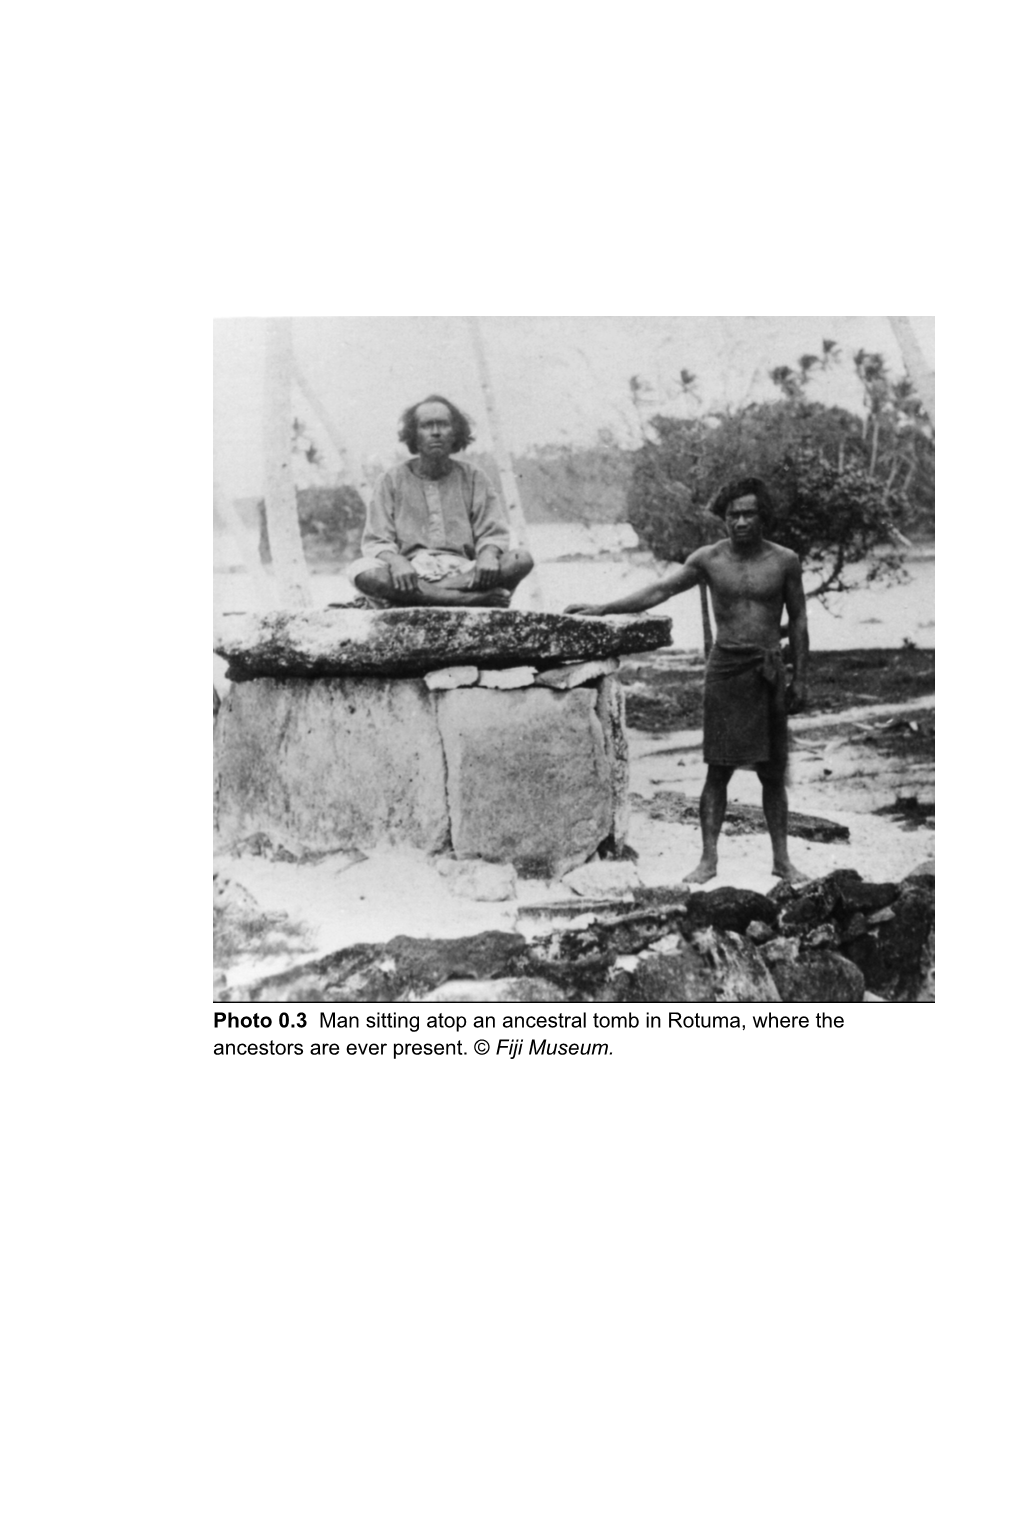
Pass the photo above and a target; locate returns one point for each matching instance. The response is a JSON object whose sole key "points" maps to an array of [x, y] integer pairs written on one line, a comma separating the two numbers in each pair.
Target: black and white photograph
{"points": [[574, 658]]}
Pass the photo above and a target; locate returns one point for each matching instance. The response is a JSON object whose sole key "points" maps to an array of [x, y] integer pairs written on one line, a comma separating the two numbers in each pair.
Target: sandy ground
{"points": [[832, 774], [843, 784]]}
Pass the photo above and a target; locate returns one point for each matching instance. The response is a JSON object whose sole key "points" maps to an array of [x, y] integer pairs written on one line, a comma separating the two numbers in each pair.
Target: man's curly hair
{"points": [[463, 433], [736, 489]]}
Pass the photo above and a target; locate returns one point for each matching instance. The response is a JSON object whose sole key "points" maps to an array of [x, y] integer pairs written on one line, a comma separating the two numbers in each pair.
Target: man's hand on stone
{"points": [[403, 576], [796, 697], [487, 568], [583, 611]]}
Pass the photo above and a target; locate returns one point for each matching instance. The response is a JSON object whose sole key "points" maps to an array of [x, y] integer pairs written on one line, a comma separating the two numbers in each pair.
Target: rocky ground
{"points": [[839, 939]]}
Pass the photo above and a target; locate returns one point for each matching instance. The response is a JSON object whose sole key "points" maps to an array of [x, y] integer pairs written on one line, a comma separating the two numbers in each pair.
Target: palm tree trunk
{"points": [[531, 593], [289, 564], [260, 580], [353, 467], [921, 374]]}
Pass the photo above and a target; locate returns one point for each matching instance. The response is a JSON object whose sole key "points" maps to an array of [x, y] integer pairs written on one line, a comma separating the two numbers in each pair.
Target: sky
{"points": [[558, 381]]}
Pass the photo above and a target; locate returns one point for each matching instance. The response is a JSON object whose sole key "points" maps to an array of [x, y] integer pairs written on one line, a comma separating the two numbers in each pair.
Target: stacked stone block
{"points": [[488, 734]]}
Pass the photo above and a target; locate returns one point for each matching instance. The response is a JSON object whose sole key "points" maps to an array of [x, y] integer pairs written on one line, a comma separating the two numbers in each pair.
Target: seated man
{"points": [[435, 534]]}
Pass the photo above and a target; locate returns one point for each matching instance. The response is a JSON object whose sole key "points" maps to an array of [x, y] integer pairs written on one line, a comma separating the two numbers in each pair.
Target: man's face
{"points": [[743, 520], [435, 431]]}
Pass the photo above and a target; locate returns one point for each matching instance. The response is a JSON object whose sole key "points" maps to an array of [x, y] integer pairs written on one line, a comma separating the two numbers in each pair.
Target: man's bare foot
{"points": [[704, 871], [789, 873]]}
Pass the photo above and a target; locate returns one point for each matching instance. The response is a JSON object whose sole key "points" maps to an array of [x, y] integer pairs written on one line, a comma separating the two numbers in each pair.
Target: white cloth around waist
{"points": [[430, 566]]}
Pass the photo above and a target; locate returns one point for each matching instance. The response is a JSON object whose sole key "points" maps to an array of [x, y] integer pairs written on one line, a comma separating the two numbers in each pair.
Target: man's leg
{"points": [[713, 811], [376, 582], [775, 806], [459, 589]]}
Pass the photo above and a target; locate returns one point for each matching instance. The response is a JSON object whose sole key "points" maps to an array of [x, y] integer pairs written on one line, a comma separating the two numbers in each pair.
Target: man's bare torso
{"points": [[748, 591]]}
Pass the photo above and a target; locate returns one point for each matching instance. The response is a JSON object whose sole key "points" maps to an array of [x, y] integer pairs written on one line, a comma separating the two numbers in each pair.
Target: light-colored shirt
{"points": [[459, 513]]}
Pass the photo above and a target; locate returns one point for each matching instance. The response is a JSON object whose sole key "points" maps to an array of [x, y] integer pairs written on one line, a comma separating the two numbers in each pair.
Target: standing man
{"points": [[746, 698], [435, 534]]}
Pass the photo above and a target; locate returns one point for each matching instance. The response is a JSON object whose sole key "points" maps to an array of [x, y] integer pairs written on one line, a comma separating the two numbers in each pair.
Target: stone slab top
{"points": [[350, 641]]}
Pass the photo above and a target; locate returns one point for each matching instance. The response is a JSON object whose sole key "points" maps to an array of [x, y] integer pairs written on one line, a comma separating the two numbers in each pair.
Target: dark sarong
{"points": [[745, 707]]}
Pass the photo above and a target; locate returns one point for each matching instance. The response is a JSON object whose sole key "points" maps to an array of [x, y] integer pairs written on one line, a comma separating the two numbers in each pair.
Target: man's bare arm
{"points": [[380, 541], [685, 578], [796, 608], [401, 571]]}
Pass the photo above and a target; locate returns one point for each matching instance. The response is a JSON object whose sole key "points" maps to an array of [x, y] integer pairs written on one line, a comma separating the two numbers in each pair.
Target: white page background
{"points": [[718, 1280]]}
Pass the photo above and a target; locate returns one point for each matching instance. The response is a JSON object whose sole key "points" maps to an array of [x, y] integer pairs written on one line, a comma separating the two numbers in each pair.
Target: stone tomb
{"points": [[489, 734]]}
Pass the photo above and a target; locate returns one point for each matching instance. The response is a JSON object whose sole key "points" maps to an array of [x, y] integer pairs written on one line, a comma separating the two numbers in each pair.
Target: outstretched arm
{"points": [[796, 608], [685, 578]]}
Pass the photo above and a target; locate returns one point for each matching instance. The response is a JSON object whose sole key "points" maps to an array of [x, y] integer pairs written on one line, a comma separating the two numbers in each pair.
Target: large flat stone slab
{"points": [[529, 776], [331, 764], [279, 644]]}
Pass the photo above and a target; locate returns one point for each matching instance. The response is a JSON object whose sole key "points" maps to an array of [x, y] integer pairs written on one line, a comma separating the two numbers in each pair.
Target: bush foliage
{"points": [[574, 483], [831, 508], [331, 520], [845, 484]]}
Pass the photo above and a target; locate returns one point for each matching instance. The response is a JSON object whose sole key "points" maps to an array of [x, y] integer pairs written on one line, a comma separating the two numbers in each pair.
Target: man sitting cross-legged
{"points": [[435, 534], [746, 698]]}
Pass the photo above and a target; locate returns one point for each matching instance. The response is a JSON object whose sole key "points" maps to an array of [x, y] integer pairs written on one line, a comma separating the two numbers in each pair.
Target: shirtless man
{"points": [[435, 534], [746, 698]]}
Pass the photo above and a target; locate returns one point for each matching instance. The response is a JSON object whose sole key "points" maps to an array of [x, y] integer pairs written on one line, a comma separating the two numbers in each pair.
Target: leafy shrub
{"points": [[331, 521], [830, 509]]}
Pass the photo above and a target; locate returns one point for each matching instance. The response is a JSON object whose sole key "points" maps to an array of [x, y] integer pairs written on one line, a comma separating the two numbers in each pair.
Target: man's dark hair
{"points": [[736, 489], [463, 434]]}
